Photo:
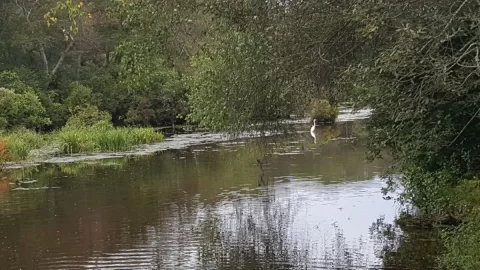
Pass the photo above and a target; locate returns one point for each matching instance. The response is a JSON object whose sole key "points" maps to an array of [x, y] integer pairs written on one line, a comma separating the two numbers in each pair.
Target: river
{"points": [[277, 203]]}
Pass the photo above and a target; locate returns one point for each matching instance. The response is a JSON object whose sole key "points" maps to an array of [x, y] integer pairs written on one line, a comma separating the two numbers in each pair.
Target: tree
{"points": [[423, 88]]}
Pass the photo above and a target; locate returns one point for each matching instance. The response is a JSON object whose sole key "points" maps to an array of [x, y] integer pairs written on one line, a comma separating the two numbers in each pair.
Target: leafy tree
{"points": [[423, 87], [235, 84]]}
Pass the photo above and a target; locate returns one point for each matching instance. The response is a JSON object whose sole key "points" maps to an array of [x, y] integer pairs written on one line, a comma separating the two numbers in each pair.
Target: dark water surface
{"points": [[299, 206]]}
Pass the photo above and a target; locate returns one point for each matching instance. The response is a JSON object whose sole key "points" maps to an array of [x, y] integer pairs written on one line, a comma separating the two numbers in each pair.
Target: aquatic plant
{"points": [[3, 152], [18, 145], [20, 142], [144, 135], [75, 141], [323, 111], [105, 139], [112, 140]]}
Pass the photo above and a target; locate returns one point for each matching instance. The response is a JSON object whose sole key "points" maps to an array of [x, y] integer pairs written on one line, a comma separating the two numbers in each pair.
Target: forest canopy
{"points": [[220, 64]]}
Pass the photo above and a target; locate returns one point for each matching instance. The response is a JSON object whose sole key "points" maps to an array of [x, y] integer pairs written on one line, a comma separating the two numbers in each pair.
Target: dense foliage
{"points": [[224, 64], [56, 56], [423, 87]]}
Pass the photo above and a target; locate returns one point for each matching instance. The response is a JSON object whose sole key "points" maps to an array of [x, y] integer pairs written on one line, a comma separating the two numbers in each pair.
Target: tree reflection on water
{"points": [[255, 239], [406, 247], [263, 239]]}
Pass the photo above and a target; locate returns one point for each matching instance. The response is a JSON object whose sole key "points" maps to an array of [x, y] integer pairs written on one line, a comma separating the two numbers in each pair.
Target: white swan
{"points": [[312, 131]]}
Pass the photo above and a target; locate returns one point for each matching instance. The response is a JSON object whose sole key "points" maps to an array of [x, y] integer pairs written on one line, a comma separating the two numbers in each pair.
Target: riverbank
{"points": [[462, 239], [457, 222], [47, 148]]}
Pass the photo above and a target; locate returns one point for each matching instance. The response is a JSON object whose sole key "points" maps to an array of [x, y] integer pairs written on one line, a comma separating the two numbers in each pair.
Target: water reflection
{"points": [[407, 247], [202, 208], [294, 226]]}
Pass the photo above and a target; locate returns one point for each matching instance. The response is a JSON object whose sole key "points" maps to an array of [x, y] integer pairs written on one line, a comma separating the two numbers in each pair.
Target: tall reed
{"points": [[17, 145], [105, 139], [20, 142]]}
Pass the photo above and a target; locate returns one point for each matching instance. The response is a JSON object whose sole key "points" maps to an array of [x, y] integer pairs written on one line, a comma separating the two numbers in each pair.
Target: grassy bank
{"points": [[21, 145]]}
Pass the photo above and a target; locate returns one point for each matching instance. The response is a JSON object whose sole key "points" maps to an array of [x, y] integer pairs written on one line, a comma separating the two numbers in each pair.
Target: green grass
{"points": [[78, 140], [21, 142], [104, 139]]}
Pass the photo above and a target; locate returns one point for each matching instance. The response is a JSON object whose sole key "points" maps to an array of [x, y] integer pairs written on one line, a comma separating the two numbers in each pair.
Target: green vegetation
{"points": [[322, 111], [18, 145], [89, 130], [423, 87], [462, 242], [20, 142], [105, 139], [233, 64]]}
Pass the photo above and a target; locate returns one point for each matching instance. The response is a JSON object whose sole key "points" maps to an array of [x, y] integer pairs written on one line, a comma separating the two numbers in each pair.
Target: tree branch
{"points": [[62, 55], [454, 15], [44, 59], [464, 127]]}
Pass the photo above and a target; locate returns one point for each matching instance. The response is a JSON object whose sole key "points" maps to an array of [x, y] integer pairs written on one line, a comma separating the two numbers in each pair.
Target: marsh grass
{"points": [[17, 145], [3, 153], [105, 139], [20, 142]]}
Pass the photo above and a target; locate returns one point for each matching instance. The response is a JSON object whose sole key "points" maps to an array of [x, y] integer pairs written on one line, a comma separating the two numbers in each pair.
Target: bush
{"points": [[12, 80], [79, 96], [21, 110], [89, 116], [322, 111]]}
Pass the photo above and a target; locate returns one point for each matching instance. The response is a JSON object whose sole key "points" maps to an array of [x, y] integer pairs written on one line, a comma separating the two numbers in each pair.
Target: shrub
{"points": [[89, 116], [79, 96], [22, 109], [323, 111]]}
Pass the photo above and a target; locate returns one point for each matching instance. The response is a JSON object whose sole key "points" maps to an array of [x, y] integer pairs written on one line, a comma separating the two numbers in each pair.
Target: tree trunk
{"points": [[62, 58], [79, 62], [44, 59]]}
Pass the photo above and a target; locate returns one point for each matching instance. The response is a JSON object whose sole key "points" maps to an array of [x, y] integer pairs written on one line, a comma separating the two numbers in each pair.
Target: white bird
{"points": [[312, 131]]}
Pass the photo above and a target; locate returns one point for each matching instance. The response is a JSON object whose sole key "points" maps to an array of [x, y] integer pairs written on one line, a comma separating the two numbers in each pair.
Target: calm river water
{"points": [[215, 206]]}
